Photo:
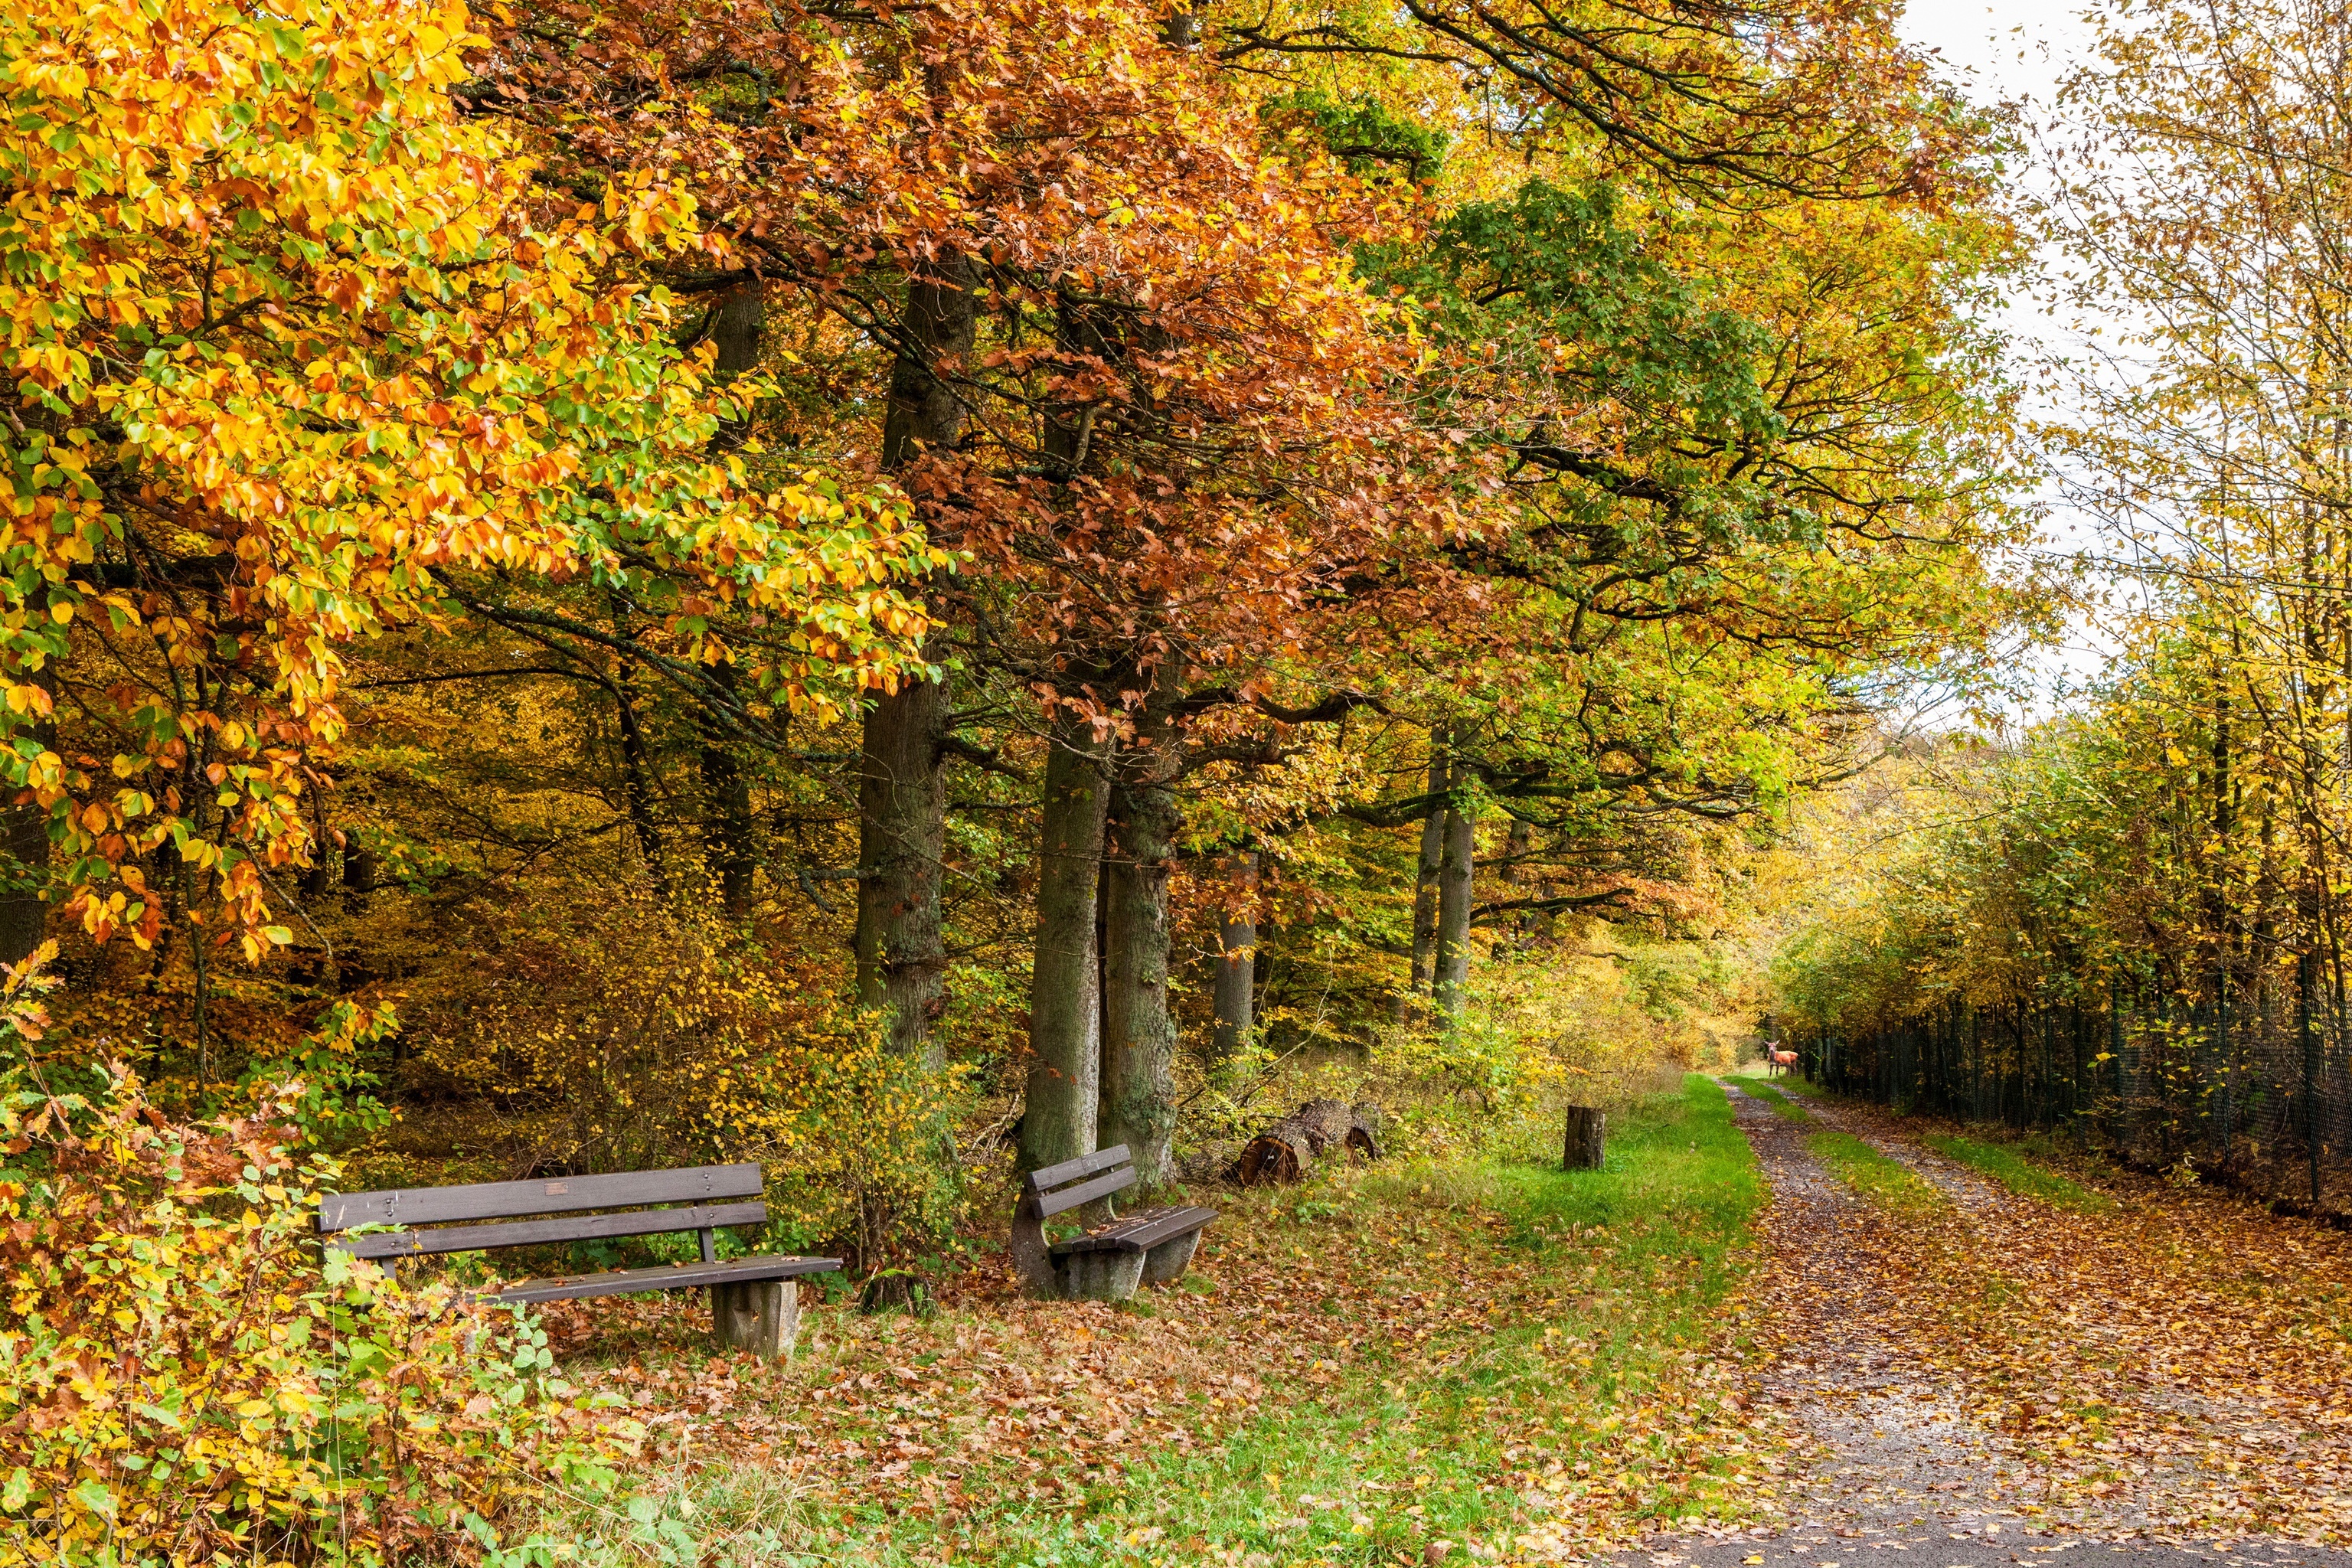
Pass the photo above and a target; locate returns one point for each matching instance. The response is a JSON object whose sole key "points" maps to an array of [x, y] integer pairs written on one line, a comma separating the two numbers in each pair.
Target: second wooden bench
{"points": [[1150, 1246]]}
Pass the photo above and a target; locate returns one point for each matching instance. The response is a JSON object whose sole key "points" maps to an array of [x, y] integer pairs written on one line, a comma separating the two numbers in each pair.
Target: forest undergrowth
{"points": [[1498, 1356]]}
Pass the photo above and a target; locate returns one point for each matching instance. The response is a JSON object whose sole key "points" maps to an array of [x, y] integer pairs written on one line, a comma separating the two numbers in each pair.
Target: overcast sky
{"points": [[2012, 49], [2005, 51]]}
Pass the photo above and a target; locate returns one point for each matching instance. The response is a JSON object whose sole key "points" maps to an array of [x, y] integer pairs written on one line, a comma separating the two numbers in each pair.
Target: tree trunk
{"points": [[926, 412], [727, 824], [1583, 1148], [902, 800], [902, 803], [320, 880], [358, 877], [1516, 847], [1094, 331], [736, 323], [1138, 1091], [25, 856], [727, 792], [1237, 967], [1058, 1120], [1425, 888], [636, 787], [25, 864], [2219, 906], [2304, 968], [1454, 883]]}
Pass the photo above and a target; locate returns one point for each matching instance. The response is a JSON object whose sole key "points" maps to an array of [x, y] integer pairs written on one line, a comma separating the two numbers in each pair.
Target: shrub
{"points": [[184, 1380], [634, 1034]]}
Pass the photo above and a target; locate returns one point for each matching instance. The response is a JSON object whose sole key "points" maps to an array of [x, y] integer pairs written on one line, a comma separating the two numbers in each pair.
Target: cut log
{"points": [[1318, 1129], [1583, 1149], [1212, 1161], [1275, 1157], [1335, 1125], [1327, 1123]]}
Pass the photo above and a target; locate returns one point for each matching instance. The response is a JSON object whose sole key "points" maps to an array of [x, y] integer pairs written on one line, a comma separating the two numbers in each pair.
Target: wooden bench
{"points": [[1152, 1247], [754, 1303]]}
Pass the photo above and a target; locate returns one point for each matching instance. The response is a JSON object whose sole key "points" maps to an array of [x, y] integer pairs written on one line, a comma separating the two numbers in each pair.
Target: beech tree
{"points": [[305, 360]]}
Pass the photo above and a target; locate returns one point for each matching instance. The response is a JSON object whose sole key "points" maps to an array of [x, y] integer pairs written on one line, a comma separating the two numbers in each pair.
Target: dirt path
{"points": [[1897, 1438], [1998, 1380]]}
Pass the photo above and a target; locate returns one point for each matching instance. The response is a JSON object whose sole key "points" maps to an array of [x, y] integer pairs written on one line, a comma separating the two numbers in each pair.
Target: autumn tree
{"points": [[309, 359], [1693, 388]]}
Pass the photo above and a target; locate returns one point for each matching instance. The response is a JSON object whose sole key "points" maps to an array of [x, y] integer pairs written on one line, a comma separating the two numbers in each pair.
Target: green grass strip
{"points": [[1871, 1174], [1670, 1211], [1803, 1088], [1771, 1095], [2020, 1176]]}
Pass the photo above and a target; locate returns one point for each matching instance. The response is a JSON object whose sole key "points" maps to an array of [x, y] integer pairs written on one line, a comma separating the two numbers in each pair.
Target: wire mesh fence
{"points": [[2247, 1084]]}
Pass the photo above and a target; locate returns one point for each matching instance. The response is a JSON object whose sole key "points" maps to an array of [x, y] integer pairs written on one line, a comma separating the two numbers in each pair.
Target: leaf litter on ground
{"points": [[1513, 1363], [1507, 1360]]}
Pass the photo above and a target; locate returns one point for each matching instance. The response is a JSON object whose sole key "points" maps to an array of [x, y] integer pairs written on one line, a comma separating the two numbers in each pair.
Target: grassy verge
{"points": [[1771, 1095], [1874, 1175], [1369, 1366], [1802, 1087], [2013, 1171]]}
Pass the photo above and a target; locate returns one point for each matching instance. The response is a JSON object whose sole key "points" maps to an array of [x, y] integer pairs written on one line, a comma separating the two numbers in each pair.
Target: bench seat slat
{"points": [[518, 1200], [1139, 1232], [533, 1232], [1102, 1186], [664, 1277], [1047, 1176]]}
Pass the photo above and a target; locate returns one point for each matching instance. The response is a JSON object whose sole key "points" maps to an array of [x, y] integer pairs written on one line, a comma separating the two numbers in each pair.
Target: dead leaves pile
{"points": [[926, 1428]]}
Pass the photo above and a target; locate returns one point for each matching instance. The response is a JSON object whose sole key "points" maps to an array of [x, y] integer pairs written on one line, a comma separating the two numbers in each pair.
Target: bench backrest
{"points": [[1055, 1188], [703, 1191]]}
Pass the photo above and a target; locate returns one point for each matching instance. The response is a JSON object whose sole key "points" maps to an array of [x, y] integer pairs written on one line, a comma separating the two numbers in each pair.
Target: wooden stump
{"points": [[762, 1316], [1583, 1149]]}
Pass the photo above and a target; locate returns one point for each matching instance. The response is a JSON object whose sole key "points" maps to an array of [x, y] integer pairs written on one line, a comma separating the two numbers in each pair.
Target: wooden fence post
{"points": [[2310, 1041], [1586, 1133]]}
